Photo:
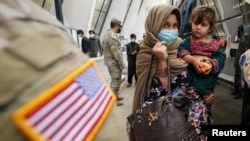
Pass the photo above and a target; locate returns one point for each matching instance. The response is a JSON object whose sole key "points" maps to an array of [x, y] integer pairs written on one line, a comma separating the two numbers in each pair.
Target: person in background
{"points": [[95, 44], [206, 59], [132, 50], [37, 53], [162, 25], [238, 72], [85, 42], [113, 56]]}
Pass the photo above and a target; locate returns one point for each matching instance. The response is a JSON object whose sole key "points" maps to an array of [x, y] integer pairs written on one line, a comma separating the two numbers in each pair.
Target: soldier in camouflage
{"points": [[36, 52], [113, 57]]}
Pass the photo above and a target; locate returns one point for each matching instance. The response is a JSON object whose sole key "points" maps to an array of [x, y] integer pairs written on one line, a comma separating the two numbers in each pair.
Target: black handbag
{"points": [[162, 120]]}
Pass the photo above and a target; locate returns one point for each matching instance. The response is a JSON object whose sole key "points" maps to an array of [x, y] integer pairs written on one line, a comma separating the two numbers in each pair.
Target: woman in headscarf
{"points": [[162, 25]]}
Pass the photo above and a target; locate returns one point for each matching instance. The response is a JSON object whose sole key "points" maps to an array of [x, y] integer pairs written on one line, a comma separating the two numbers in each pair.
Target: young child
{"points": [[206, 59]]}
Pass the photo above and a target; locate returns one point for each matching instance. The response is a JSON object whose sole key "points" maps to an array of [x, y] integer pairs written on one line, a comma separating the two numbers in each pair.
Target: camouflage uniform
{"points": [[113, 59], [36, 52]]}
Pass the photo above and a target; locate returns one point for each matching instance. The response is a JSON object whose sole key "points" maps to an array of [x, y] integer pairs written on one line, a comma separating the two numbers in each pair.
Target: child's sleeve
{"points": [[218, 60], [184, 48]]}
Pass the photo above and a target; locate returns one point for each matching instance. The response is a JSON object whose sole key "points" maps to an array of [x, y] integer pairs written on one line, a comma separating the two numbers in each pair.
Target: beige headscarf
{"points": [[154, 23]]}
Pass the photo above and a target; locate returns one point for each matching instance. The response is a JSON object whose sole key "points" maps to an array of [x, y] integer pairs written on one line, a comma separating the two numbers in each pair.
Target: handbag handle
{"points": [[145, 85], [169, 80]]}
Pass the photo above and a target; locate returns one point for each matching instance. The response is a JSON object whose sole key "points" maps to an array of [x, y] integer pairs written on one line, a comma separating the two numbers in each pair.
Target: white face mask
{"points": [[92, 35], [132, 40]]}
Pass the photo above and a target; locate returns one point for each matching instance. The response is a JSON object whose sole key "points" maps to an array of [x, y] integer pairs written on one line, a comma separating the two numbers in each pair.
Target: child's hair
{"points": [[201, 13]]}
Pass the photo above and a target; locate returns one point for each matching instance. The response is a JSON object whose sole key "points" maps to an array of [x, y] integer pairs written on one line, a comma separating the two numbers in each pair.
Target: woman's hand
{"points": [[160, 51], [196, 64]]}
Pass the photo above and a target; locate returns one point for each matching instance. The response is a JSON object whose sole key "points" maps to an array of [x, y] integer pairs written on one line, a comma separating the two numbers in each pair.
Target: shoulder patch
{"points": [[73, 109]]}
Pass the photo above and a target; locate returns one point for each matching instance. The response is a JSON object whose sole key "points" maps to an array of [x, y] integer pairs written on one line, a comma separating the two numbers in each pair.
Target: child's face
{"points": [[200, 30]]}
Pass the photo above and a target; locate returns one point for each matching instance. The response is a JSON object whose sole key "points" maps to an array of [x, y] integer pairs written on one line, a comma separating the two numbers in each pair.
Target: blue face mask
{"points": [[168, 35]]}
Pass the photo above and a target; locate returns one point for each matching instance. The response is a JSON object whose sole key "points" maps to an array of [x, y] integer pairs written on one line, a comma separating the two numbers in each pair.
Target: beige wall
{"points": [[79, 13], [117, 10], [135, 20]]}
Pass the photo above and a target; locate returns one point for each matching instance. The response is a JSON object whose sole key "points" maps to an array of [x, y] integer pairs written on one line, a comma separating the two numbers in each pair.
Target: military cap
{"points": [[116, 22]]}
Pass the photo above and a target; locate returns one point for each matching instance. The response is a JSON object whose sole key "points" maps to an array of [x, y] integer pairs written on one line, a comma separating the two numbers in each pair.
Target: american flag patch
{"points": [[73, 109]]}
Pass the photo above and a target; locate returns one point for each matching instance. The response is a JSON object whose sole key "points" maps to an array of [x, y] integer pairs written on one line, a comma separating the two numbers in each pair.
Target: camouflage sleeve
{"points": [[114, 48]]}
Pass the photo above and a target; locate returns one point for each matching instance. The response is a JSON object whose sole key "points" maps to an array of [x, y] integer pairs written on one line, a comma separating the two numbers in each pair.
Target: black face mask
{"points": [[119, 30]]}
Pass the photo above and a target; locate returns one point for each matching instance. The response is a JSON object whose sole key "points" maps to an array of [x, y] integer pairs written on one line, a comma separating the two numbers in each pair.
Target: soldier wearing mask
{"points": [[113, 56], [132, 50]]}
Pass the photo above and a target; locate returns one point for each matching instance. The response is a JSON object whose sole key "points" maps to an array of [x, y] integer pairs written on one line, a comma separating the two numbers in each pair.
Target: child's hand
{"points": [[205, 67], [196, 63]]}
